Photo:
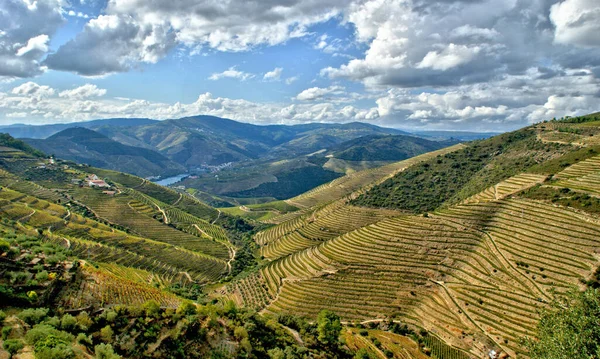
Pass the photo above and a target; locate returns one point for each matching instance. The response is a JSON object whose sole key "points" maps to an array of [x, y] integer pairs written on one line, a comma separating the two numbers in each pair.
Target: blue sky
{"points": [[412, 64]]}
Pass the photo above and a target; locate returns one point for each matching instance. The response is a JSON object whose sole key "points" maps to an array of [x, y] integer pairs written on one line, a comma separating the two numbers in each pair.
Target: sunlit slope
{"points": [[474, 275], [343, 186]]}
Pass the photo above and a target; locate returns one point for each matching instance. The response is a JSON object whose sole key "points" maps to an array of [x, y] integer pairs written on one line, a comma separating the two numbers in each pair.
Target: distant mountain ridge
{"points": [[87, 146], [45, 131]]}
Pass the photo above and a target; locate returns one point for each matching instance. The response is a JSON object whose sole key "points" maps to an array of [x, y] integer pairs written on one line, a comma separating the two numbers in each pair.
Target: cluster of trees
{"points": [[569, 329], [190, 331]]}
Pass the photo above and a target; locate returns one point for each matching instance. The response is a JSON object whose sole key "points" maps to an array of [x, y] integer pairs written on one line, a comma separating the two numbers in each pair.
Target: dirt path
{"points": [[232, 254], [164, 214], [178, 200], [27, 216], [201, 231], [218, 216], [295, 334]]}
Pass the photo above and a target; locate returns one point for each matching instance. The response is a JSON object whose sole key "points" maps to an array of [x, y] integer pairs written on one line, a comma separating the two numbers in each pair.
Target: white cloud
{"points": [[274, 75], [291, 80], [233, 74], [26, 30], [38, 43], [316, 93], [33, 89], [577, 22], [16, 115], [452, 56], [85, 91], [110, 44]]}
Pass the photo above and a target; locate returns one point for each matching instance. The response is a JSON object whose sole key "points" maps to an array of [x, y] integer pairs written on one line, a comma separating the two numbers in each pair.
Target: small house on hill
{"points": [[98, 183]]}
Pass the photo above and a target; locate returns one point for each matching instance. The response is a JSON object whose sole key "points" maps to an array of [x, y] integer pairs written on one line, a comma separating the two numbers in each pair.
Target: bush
{"points": [[12, 346], [83, 339], [68, 322], [106, 334], [2, 316], [42, 276], [6, 332], [4, 246], [105, 351], [33, 316]]}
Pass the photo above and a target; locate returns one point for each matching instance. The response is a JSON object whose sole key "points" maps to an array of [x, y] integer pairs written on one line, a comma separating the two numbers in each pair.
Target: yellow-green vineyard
{"points": [[474, 275]]}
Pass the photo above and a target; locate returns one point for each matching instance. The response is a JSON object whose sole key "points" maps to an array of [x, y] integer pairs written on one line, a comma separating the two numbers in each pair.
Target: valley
{"points": [[453, 251]]}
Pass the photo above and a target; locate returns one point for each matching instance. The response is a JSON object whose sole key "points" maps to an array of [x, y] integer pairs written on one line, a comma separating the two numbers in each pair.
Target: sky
{"points": [[476, 65]]}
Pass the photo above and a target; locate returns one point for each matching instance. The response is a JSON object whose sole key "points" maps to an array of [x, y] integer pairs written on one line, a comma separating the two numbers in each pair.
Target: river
{"points": [[171, 180]]}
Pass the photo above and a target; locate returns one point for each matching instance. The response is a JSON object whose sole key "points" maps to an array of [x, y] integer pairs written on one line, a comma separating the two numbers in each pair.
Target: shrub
{"points": [[12, 346], [106, 334], [68, 322], [42, 276], [6, 332], [33, 316], [105, 351], [4, 246], [83, 339], [2, 316]]}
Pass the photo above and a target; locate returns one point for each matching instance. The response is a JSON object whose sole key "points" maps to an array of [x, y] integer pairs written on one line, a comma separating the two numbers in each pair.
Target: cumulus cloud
{"points": [[316, 93], [231, 73], [274, 75], [577, 22], [112, 43], [413, 43], [133, 31], [32, 89], [452, 56], [85, 91], [25, 32]]}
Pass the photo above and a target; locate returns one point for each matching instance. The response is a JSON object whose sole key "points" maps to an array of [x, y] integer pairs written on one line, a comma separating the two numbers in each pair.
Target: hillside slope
{"points": [[86, 146], [384, 148], [473, 271]]}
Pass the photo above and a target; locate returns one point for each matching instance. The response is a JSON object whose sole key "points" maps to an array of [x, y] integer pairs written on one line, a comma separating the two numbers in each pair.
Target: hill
{"points": [[491, 232], [500, 227], [45, 131], [86, 146], [384, 148]]}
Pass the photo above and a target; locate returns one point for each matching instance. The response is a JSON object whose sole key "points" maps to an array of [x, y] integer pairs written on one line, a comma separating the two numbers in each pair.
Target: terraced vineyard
{"points": [[99, 242], [123, 209], [101, 286], [506, 188], [474, 275]]}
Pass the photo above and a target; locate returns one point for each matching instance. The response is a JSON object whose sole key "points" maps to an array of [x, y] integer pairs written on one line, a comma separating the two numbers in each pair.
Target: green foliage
{"points": [[4, 246], [363, 354], [68, 322], [564, 197], [457, 175], [290, 183], [106, 334], [2, 316], [8, 141], [6, 332], [570, 329], [105, 351], [384, 148], [33, 316], [328, 327], [12, 346]]}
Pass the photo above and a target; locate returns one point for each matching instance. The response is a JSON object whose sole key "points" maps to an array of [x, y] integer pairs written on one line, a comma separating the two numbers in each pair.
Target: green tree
{"points": [[569, 329], [12, 346], [328, 327], [105, 351], [106, 334]]}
